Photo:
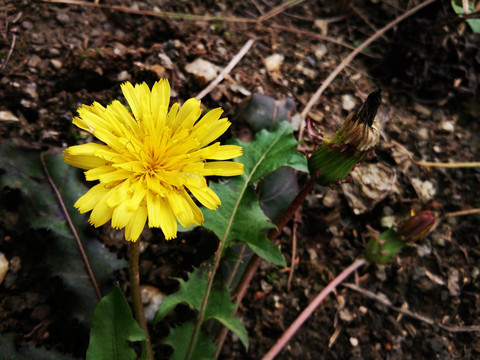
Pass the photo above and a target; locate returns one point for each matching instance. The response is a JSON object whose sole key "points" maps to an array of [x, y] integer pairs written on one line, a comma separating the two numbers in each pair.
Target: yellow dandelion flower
{"points": [[152, 161]]}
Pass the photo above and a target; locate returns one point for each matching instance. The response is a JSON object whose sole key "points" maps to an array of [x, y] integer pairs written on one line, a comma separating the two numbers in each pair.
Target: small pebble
{"points": [[152, 298], [423, 134], [63, 18], [123, 76], [320, 50], [446, 126], [274, 62], [348, 102], [57, 64], [6, 115], [3, 267], [27, 25], [203, 71], [354, 341]]}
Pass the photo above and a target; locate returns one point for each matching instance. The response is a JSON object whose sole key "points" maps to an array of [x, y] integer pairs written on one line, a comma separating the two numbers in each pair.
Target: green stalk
{"points": [[203, 306], [137, 303]]}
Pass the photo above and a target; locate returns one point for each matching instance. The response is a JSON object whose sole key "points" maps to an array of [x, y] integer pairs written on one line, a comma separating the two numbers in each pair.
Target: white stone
{"points": [[274, 62], [320, 50], [447, 126], [204, 71], [348, 102], [3, 267], [6, 115], [152, 298]]}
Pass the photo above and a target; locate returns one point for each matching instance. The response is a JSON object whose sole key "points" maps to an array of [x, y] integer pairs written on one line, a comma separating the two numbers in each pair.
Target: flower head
{"points": [[152, 160], [354, 142]]}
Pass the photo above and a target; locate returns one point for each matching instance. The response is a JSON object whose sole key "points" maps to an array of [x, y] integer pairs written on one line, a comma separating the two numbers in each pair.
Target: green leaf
{"points": [[221, 308], [270, 151], [9, 351], [190, 292], [179, 338], [458, 8], [113, 326], [40, 209], [219, 305], [240, 216]]}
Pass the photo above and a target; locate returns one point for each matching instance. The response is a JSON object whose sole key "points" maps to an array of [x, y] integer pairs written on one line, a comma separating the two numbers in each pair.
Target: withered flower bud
{"points": [[416, 226], [382, 248], [355, 141]]}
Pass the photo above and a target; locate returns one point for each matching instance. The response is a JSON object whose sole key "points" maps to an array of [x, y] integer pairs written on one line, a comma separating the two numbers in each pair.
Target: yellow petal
{"points": [[161, 215], [82, 157], [223, 168], [136, 224], [118, 194], [206, 196], [101, 213], [139, 194], [121, 216], [90, 198], [131, 96], [94, 174], [195, 210], [226, 152], [214, 132], [188, 114]]}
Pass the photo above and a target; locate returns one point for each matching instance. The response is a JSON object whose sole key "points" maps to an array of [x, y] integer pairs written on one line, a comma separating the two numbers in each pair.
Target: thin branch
{"points": [[226, 69], [10, 51], [163, 14], [319, 37], [448, 165], [292, 330], [462, 212], [386, 302], [72, 229], [280, 8], [350, 57], [294, 251]]}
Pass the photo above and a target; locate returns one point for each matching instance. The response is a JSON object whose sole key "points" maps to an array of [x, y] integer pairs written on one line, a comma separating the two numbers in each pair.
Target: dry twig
{"points": [[386, 302], [226, 69]]}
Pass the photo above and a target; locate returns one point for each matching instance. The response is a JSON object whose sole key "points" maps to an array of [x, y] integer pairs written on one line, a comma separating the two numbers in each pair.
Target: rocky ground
{"points": [[56, 56]]}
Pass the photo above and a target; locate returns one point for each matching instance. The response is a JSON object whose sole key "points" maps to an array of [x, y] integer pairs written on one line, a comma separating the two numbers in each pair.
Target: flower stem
{"points": [[133, 273], [203, 306], [287, 335]]}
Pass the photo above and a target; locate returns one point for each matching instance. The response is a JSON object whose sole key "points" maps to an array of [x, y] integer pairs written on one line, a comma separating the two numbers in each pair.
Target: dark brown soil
{"points": [[55, 57]]}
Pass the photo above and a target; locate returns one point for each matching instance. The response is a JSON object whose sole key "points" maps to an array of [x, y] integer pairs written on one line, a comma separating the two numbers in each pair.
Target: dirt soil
{"points": [[55, 57]]}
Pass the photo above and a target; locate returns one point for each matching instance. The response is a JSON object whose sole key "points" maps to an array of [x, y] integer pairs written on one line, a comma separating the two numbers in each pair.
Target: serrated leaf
{"points": [[219, 305], [240, 216], [40, 209], [179, 338], [190, 292], [270, 151], [9, 351], [221, 308], [113, 326]]}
